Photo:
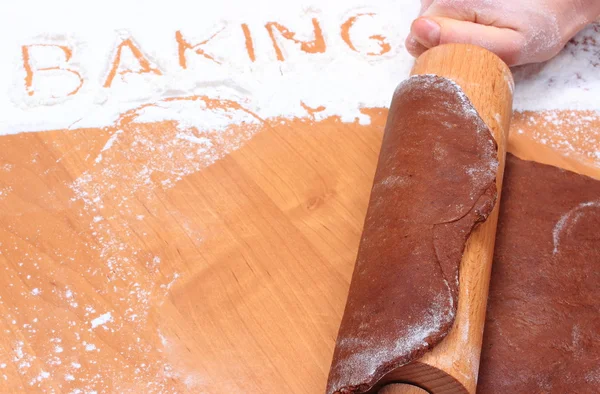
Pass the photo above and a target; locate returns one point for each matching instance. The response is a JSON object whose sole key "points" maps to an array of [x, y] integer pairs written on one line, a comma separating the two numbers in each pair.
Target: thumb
{"points": [[425, 4], [432, 31]]}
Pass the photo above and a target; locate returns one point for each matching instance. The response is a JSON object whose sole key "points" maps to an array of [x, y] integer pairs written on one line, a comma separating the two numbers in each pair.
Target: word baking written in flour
{"points": [[129, 57]]}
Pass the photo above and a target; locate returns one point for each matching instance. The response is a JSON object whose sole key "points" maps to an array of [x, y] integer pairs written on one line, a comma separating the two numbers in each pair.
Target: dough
{"points": [[542, 332], [435, 181]]}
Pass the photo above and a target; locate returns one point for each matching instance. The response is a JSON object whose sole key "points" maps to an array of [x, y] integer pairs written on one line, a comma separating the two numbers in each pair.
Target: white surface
{"points": [[341, 79]]}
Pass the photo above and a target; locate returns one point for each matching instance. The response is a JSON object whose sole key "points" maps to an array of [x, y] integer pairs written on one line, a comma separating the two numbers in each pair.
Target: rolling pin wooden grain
{"points": [[453, 365]]}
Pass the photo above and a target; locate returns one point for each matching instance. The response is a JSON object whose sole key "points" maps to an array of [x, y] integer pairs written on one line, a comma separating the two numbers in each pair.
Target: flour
{"points": [[352, 58], [277, 77], [568, 220], [302, 61], [101, 320], [570, 81], [341, 73], [365, 362]]}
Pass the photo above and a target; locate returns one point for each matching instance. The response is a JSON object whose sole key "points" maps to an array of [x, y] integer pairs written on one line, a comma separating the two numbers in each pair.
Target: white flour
{"points": [[569, 81], [272, 79], [101, 320], [569, 219], [340, 75], [363, 363]]}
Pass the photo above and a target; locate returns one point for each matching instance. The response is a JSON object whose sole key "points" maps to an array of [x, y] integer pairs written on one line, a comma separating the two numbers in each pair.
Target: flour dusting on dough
{"points": [[377, 354], [569, 219], [465, 108]]}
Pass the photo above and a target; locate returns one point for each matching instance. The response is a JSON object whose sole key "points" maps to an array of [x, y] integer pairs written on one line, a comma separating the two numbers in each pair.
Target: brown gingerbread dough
{"points": [[542, 331], [435, 181]]}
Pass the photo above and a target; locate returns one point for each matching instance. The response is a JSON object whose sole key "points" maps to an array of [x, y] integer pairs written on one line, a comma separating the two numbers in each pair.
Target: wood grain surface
{"points": [[137, 269]]}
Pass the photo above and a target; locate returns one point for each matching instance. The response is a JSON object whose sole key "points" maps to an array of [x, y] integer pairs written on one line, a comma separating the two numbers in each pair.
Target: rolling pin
{"points": [[451, 367]]}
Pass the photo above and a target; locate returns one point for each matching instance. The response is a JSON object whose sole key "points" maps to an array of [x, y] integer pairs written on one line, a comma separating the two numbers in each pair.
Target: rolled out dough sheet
{"points": [[542, 332]]}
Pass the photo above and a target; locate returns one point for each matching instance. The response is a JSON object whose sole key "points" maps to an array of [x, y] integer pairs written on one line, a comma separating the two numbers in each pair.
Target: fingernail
{"points": [[410, 43], [427, 32]]}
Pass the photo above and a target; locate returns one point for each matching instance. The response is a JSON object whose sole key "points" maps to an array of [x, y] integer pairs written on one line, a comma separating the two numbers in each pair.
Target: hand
{"points": [[519, 31]]}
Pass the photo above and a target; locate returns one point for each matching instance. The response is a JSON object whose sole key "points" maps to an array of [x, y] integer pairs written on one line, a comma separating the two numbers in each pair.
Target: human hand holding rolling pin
{"points": [[518, 31]]}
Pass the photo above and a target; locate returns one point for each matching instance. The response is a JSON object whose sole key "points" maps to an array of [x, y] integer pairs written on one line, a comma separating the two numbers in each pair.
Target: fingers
{"points": [[432, 31], [414, 47], [425, 5]]}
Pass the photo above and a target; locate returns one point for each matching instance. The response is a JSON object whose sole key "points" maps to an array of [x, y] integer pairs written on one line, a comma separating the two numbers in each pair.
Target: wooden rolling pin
{"points": [[453, 365], [411, 332]]}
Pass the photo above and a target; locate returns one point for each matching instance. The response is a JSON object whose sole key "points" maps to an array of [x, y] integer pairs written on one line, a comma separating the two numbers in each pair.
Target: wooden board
{"points": [[224, 277]]}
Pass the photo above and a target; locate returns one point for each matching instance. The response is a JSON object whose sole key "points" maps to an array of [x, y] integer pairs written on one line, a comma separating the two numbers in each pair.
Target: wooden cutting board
{"points": [[128, 265]]}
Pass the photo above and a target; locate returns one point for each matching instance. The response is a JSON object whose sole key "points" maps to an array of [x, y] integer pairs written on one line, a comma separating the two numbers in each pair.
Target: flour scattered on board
{"points": [[101, 320], [574, 135], [339, 56], [570, 81]]}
